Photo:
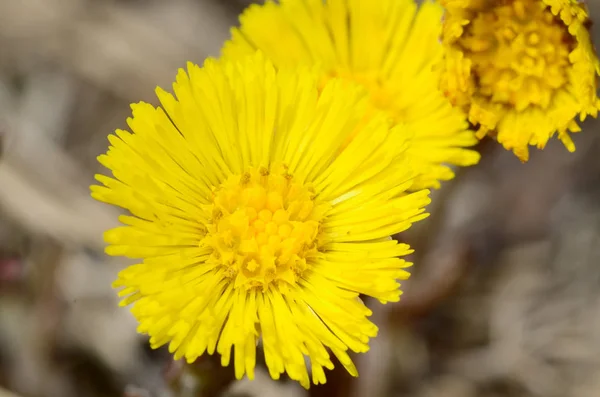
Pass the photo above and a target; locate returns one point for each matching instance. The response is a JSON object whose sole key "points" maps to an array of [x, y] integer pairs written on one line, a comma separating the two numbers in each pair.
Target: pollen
{"points": [[265, 228], [519, 52]]}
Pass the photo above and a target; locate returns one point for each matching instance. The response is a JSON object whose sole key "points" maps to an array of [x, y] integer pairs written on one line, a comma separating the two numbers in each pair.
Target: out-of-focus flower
{"points": [[387, 46], [257, 216], [523, 70]]}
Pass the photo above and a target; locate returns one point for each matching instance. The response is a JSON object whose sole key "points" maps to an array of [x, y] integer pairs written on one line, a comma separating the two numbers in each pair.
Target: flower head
{"points": [[389, 47], [256, 217], [523, 70]]}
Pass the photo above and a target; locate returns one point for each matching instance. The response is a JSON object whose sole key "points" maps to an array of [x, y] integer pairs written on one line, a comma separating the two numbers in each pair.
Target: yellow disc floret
{"points": [[520, 54], [523, 70], [264, 228]]}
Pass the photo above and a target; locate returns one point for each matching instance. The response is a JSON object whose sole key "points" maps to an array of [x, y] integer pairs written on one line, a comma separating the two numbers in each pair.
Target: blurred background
{"points": [[505, 295]]}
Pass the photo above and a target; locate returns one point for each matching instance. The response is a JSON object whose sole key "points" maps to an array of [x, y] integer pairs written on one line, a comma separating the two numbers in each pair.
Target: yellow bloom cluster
{"points": [[261, 206], [521, 69], [263, 194]]}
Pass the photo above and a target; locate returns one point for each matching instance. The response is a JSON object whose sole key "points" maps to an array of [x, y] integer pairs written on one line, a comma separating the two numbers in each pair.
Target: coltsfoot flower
{"points": [[523, 70], [389, 47], [256, 217]]}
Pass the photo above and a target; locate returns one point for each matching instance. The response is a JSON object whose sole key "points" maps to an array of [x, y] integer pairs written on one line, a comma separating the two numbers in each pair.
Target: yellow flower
{"points": [[387, 46], [256, 218], [522, 69]]}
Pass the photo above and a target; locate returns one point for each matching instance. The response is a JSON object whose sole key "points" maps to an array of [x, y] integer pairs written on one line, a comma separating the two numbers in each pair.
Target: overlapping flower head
{"points": [[389, 47], [523, 70], [261, 205]]}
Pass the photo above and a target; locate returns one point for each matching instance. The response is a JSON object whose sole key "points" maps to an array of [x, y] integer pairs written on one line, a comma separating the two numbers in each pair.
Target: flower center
{"points": [[379, 96], [265, 228], [519, 52]]}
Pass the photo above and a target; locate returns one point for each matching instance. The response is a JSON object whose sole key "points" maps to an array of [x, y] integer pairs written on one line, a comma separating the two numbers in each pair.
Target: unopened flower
{"points": [[523, 70], [389, 47], [256, 216]]}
